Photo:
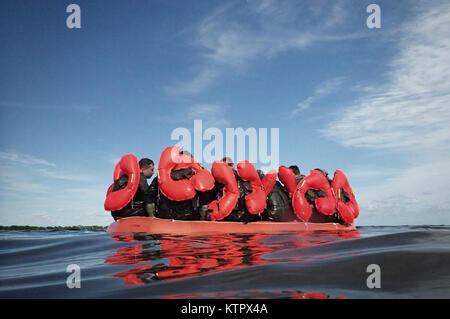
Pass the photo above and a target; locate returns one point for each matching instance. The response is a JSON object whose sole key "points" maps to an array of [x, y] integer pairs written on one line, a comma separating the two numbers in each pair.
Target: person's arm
{"points": [[152, 192], [143, 185]]}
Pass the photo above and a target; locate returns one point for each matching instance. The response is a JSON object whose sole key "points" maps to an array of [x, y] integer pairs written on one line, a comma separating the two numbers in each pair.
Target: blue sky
{"points": [[371, 102]]}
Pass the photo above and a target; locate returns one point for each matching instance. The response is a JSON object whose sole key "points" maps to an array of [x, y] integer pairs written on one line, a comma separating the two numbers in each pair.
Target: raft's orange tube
{"points": [[153, 225]]}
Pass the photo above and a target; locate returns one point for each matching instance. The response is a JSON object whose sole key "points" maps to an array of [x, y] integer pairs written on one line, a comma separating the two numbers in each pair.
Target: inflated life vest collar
{"points": [[269, 180], [287, 177], [172, 159], [347, 210], [221, 208], [256, 200], [324, 205], [128, 165]]}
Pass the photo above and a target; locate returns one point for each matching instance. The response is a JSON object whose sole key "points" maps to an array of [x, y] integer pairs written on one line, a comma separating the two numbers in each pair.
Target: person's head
{"points": [[187, 153], [295, 169], [324, 172], [147, 167], [229, 161], [260, 173]]}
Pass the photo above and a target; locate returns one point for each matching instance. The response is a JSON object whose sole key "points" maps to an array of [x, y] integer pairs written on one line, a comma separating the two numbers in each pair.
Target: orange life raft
{"points": [[152, 225]]}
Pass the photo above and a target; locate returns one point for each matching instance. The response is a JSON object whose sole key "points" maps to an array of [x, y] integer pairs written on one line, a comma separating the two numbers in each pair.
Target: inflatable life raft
{"points": [[338, 199], [152, 225]]}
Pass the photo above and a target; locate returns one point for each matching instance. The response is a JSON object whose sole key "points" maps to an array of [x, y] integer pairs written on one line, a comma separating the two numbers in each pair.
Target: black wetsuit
{"points": [[311, 195], [278, 205], [136, 207]]}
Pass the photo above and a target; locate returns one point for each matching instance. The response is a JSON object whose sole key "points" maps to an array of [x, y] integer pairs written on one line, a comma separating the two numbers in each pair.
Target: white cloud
{"points": [[28, 160], [195, 85], [34, 192], [14, 161], [16, 174], [415, 195], [212, 115], [23, 201], [237, 33], [323, 89], [370, 172], [412, 109], [61, 175], [21, 187], [409, 114]]}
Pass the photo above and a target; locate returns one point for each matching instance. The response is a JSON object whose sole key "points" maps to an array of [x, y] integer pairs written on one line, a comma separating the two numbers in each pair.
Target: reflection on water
{"points": [[413, 260], [170, 258]]}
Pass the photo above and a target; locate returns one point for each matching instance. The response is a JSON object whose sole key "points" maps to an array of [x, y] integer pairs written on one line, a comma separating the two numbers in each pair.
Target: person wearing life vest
{"points": [[179, 210], [298, 175], [311, 195], [229, 161], [205, 198], [240, 212], [142, 204], [279, 207]]}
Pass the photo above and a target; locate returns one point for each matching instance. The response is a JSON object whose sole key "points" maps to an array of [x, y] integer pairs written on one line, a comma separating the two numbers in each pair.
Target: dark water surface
{"points": [[414, 262]]}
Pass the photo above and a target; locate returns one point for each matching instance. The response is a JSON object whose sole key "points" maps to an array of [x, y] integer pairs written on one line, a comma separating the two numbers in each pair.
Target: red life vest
{"points": [[202, 180], [184, 189], [324, 205], [117, 200], [347, 211], [256, 200], [287, 177], [269, 181], [224, 206]]}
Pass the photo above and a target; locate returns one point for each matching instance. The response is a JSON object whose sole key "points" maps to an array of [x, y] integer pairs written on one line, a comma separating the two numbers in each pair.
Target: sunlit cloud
{"points": [[236, 34], [211, 115], [28, 160], [323, 89], [412, 109], [409, 114]]}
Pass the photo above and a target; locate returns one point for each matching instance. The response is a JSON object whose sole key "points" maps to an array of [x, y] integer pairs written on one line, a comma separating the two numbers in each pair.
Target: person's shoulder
{"points": [[143, 180]]}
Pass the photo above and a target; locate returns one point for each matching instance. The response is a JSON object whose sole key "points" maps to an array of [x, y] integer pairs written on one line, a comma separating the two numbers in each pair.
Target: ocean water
{"points": [[370, 262]]}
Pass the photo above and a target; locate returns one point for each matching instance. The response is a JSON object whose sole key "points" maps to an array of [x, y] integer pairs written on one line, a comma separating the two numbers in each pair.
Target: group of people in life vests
{"points": [[185, 190]]}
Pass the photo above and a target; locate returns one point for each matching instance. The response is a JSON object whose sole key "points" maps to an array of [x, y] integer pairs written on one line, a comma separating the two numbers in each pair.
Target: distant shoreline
{"points": [[79, 227]]}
